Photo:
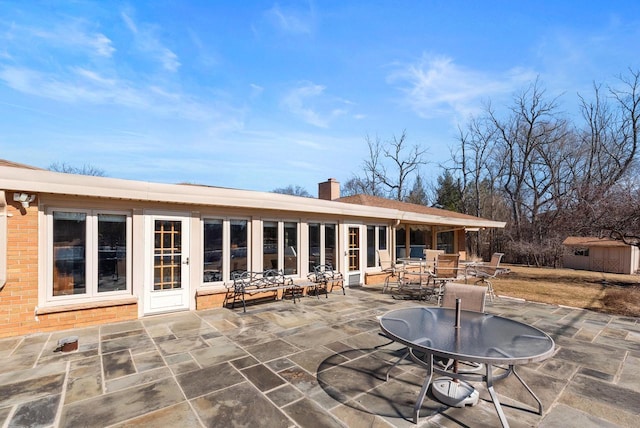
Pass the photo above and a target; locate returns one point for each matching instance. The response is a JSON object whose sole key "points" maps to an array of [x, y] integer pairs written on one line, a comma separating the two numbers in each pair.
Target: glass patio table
{"points": [[481, 338]]}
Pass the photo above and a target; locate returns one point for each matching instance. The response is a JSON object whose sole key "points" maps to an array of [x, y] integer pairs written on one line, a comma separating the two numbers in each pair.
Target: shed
{"points": [[601, 255]]}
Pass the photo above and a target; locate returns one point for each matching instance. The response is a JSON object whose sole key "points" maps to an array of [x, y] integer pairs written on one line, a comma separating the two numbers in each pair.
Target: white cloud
{"points": [[291, 21], [70, 34], [81, 85], [146, 40], [436, 86], [309, 102]]}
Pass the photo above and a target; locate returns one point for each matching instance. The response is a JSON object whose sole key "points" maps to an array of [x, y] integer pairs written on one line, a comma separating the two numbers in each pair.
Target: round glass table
{"points": [[479, 338]]}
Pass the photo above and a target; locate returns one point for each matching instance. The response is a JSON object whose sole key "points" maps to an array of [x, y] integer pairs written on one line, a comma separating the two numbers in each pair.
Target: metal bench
{"points": [[271, 280]]}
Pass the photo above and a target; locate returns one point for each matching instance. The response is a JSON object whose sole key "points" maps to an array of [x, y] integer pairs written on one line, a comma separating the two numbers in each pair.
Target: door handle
{"points": [[186, 262]]}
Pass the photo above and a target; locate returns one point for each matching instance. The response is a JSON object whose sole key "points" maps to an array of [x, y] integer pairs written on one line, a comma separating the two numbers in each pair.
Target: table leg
{"points": [[494, 396], [423, 390], [404, 355], [529, 389]]}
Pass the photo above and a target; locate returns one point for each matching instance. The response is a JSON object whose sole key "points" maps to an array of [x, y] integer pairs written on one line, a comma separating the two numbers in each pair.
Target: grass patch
{"points": [[597, 291]]}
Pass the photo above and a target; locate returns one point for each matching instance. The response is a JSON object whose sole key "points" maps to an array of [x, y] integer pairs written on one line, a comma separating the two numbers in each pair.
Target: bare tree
{"points": [[404, 165], [293, 190], [85, 169], [391, 180]]}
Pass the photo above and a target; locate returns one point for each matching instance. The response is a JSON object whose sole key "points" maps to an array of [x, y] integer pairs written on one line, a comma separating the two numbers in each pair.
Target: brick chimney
{"points": [[329, 190]]}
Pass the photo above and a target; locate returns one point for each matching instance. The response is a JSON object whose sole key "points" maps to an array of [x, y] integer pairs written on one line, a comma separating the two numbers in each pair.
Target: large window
{"points": [[445, 241], [376, 240], [212, 269], [322, 245], [401, 242], [239, 237], [89, 253], [270, 245], [371, 246], [331, 245], [223, 256], [280, 246], [315, 246], [290, 248]]}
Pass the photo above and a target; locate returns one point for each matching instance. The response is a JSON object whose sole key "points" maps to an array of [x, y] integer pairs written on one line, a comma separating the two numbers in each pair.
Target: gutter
{"points": [[3, 240]]}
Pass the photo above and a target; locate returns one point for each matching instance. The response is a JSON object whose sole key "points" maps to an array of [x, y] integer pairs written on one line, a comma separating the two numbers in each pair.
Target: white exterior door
{"points": [[167, 273], [354, 255]]}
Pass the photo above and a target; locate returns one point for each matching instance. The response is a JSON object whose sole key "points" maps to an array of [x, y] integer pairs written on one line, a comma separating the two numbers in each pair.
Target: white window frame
{"points": [[323, 241], [376, 245], [226, 247], [280, 248], [91, 257]]}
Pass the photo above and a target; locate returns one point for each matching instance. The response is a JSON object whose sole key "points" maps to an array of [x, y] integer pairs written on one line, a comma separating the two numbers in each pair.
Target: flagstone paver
{"points": [[320, 362]]}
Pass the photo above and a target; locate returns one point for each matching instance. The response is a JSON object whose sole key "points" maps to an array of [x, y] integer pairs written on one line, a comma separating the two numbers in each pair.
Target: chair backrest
{"points": [[431, 258], [447, 265], [471, 297], [384, 259], [495, 260], [492, 267]]}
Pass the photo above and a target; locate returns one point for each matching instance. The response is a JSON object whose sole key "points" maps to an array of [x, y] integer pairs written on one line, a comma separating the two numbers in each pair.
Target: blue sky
{"points": [[261, 94]]}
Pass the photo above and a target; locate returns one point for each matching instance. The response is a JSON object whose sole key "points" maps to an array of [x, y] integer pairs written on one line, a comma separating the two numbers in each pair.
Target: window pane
{"points": [[290, 248], [112, 252], [239, 238], [270, 245], [371, 246], [353, 246], [213, 253], [330, 245], [401, 242], [417, 241], [382, 237], [445, 241], [69, 259], [168, 257], [314, 246]]}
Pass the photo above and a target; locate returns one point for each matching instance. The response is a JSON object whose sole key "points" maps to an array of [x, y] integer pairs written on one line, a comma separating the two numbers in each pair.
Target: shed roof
{"points": [[592, 241]]}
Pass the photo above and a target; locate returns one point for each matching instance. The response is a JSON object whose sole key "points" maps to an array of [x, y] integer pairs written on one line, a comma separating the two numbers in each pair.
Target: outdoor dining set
{"points": [[457, 339], [426, 278]]}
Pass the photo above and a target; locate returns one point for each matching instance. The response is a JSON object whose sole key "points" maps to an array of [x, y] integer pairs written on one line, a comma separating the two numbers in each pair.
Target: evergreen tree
{"points": [[417, 194], [448, 193]]}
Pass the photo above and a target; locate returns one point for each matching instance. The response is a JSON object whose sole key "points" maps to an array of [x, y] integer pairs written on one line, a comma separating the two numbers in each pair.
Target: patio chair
{"points": [[484, 273], [472, 298], [445, 270], [412, 284], [431, 258], [389, 267]]}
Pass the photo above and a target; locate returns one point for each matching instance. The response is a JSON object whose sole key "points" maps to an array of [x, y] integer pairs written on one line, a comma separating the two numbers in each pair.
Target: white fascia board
{"points": [[409, 217], [43, 181]]}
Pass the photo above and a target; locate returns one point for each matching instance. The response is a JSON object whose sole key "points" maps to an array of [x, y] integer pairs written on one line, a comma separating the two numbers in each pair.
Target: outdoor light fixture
{"points": [[24, 198]]}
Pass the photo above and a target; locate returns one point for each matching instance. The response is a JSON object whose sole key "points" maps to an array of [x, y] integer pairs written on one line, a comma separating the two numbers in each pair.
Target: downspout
{"points": [[3, 239]]}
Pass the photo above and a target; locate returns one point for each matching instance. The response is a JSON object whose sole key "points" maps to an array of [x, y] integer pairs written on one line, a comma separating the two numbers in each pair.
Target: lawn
{"points": [[597, 291]]}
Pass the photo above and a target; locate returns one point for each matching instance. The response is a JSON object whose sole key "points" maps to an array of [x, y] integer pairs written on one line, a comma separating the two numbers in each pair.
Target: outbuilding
{"points": [[601, 255]]}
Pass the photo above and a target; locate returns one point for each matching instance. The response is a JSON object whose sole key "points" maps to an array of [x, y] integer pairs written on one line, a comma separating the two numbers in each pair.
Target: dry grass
{"points": [[602, 292]]}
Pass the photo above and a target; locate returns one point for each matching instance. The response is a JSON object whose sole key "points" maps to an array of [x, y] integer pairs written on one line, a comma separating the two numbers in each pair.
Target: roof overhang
{"points": [[57, 183]]}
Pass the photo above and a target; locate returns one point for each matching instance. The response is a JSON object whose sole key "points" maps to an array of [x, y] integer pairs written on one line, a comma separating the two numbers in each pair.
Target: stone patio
{"points": [[309, 364]]}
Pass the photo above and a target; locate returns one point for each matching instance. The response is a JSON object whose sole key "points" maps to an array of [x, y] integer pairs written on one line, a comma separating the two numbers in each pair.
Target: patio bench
{"points": [[268, 281], [324, 276]]}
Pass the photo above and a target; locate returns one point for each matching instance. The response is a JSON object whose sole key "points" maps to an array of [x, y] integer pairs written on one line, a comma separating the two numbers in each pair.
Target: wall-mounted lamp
{"points": [[24, 198]]}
